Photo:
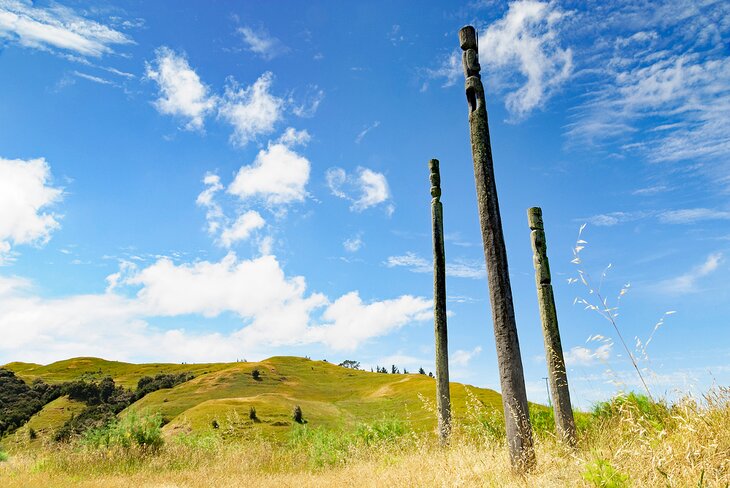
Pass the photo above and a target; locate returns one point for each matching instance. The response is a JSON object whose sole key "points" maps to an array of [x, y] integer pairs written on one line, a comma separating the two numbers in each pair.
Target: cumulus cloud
{"points": [[56, 27], [242, 228], [368, 189], [181, 92], [278, 175], [25, 197], [522, 54], [585, 356], [525, 41], [274, 310], [252, 111], [353, 244], [460, 268], [349, 321]]}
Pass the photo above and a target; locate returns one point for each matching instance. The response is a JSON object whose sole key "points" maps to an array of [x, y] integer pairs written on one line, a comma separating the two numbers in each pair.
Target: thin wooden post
{"points": [[443, 397], [558, 378], [511, 376]]}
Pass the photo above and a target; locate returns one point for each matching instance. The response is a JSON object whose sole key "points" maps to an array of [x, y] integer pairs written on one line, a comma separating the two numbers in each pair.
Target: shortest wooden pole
{"points": [[443, 397], [558, 379]]}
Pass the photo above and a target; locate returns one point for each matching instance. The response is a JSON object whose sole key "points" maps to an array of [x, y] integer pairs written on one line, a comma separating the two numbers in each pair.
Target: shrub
{"points": [[384, 430], [256, 375], [3, 456], [601, 474], [252, 414], [134, 429], [297, 415], [214, 424], [32, 434]]}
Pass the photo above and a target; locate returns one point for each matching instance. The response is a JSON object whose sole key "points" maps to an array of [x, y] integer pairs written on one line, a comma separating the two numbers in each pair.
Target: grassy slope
{"points": [[329, 395], [46, 422]]}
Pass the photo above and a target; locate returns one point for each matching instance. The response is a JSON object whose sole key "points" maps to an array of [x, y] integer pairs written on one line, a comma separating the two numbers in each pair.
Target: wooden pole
{"points": [[558, 379], [511, 376], [443, 397]]}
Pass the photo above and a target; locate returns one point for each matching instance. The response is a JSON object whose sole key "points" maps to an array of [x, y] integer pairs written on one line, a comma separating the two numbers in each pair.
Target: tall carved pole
{"points": [[512, 381], [564, 421], [443, 397]]}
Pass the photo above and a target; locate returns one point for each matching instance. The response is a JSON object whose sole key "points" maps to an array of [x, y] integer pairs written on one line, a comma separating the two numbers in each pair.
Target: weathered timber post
{"points": [[564, 421], [443, 397], [512, 381]]}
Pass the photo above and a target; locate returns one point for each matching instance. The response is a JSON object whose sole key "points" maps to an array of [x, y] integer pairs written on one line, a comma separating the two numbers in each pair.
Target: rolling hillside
{"points": [[330, 396]]}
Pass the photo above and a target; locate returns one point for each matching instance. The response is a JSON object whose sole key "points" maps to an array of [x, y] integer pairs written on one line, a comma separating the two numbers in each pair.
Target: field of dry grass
{"points": [[626, 442]]}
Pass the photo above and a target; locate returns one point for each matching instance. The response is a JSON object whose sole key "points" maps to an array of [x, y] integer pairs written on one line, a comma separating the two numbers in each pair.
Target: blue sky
{"points": [[180, 183]]}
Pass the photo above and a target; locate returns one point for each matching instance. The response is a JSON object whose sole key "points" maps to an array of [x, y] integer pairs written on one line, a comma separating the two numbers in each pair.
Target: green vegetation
{"points": [[223, 424]]}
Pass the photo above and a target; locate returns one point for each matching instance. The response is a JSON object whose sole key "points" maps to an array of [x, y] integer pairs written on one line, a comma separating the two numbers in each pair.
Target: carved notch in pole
{"points": [[443, 397], [511, 376], [558, 378]]}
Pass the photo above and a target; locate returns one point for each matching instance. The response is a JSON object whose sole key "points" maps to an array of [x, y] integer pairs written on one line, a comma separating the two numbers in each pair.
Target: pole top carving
{"points": [[433, 166], [469, 43], [534, 218]]}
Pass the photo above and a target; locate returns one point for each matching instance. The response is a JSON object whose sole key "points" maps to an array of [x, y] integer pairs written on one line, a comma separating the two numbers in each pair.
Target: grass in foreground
{"points": [[626, 442]]}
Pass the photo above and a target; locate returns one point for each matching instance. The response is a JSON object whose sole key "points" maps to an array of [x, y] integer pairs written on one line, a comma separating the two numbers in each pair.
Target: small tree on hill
{"points": [[256, 375], [421, 371], [350, 364], [252, 414], [394, 370], [297, 415]]}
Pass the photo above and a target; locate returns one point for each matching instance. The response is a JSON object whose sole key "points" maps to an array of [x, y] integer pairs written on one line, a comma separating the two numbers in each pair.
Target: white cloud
{"points": [[361, 135], [614, 218], [242, 228], [691, 215], [252, 111], [95, 79], [662, 89], [293, 137], [687, 283], [462, 358], [451, 69], [521, 54], [584, 356], [278, 175], [206, 199], [181, 92], [56, 27], [350, 322], [526, 41], [274, 310], [353, 244], [368, 189], [309, 106], [261, 42], [460, 268], [25, 195]]}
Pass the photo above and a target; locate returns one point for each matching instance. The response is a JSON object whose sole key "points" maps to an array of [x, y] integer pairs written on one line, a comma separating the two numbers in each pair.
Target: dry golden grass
{"points": [[629, 444]]}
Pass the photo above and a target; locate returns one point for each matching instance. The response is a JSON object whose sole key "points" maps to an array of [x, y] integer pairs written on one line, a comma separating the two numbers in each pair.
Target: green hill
{"points": [[329, 395]]}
